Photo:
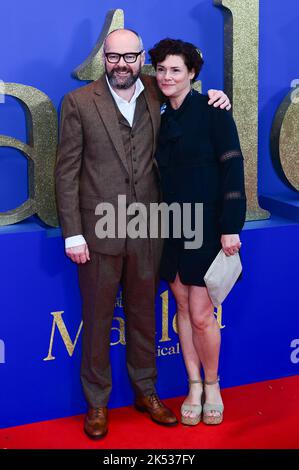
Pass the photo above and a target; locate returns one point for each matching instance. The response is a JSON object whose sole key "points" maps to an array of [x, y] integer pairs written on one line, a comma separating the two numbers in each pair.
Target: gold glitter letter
{"points": [[285, 142], [218, 315], [41, 153], [241, 43], [57, 321], [165, 336], [93, 67], [121, 331]]}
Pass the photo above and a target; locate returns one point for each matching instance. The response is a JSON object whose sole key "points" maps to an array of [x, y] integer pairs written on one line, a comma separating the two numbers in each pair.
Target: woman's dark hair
{"points": [[191, 55]]}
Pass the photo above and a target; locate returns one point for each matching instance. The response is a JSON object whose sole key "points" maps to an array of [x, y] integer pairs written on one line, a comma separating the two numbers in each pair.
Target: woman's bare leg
{"points": [[206, 339], [191, 358]]}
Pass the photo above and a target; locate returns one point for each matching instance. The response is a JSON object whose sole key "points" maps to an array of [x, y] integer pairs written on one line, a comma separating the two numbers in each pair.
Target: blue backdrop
{"points": [[41, 45]]}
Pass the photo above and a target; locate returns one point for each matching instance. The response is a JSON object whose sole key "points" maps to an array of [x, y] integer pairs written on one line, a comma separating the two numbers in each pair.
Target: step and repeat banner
{"points": [[250, 51]]}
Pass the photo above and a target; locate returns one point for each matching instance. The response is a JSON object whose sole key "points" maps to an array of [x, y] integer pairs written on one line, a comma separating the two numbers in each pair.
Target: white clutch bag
{"points": [[222, 275]]}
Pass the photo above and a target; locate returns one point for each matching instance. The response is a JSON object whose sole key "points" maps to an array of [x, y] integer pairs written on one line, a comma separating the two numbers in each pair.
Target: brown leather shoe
{"points": [[158, 412], [95, 423]]}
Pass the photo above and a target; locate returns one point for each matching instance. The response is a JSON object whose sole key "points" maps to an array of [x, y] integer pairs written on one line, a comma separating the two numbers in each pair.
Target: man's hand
{"points": [[230, 244], [78, 254], [218, 98]]}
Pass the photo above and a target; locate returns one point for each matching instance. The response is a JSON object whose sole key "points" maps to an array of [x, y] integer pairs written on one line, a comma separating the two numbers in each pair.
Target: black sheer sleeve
{"points": [[230, 158]]}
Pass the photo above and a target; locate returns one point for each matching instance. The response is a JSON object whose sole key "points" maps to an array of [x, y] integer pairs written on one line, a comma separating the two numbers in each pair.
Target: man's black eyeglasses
{"points": [[129, 57]]}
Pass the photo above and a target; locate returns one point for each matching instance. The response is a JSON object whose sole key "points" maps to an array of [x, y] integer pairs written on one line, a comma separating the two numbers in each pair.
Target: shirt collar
{"points": [[139, 87]]}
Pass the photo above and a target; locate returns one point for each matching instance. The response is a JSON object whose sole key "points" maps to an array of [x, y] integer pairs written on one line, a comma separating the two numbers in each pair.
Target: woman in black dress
{"points": [[200, 160]]}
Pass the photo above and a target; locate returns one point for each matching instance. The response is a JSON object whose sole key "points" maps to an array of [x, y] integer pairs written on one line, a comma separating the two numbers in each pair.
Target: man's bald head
{"points": [[128, 36]]}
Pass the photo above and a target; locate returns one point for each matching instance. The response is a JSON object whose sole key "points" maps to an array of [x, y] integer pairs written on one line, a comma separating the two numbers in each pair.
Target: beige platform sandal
{"points": [[208, 408], [197, 409]]}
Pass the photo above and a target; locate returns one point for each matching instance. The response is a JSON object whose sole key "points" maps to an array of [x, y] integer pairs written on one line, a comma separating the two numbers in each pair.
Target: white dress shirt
{"points": [[127, 109]]}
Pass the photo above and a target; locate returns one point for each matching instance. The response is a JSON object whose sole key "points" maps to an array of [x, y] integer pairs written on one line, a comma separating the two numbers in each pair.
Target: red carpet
{"points": [[264, 415]]}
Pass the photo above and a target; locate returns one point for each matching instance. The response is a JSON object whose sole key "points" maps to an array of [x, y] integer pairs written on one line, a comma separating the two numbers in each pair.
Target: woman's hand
{"points": [[230, 244]]}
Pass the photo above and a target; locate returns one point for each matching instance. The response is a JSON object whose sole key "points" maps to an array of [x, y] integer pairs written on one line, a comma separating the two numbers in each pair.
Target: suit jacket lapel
{"points": [[106, 108]]}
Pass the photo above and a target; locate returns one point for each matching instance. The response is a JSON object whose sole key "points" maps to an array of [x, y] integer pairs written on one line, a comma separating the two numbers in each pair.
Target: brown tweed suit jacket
{"points": [[91, 163]]}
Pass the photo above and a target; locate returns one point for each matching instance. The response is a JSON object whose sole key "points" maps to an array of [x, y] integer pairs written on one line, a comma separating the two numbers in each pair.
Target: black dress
{"points": [[200, 160]]}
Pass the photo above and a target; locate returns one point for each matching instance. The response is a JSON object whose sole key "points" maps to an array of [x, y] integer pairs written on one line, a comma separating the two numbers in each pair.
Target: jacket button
{"points": [[135, 171], [127, 180]]}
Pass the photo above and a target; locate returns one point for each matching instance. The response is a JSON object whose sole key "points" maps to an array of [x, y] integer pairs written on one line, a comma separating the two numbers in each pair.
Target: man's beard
{"points": [[125, 82]]}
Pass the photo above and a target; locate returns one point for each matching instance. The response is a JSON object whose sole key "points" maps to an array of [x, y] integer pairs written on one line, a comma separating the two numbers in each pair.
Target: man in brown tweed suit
{"points": [[108, 137]]}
